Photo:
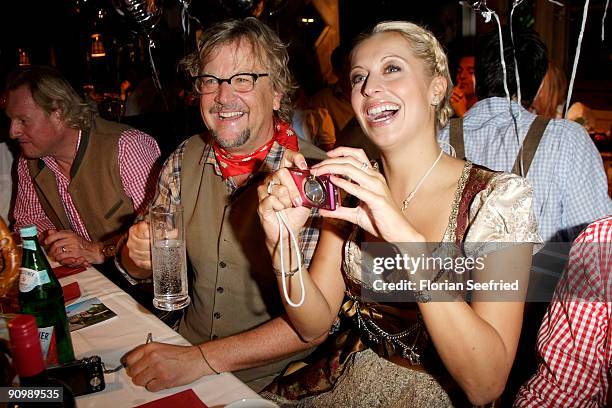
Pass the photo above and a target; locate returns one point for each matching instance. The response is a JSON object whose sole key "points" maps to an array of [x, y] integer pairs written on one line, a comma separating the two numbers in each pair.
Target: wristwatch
{"points": [[109, 250]]}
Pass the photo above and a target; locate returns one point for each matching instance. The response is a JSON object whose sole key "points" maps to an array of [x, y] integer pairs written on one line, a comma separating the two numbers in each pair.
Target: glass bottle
{"points": [[40, 294], [29, 364]]}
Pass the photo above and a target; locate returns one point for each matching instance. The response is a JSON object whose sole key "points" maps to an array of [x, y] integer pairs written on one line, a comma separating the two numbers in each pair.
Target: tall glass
{"points": [[169, 258]]}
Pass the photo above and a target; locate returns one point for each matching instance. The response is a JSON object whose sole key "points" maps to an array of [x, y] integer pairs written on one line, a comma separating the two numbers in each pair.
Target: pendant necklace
{"points": [[420, 183]]}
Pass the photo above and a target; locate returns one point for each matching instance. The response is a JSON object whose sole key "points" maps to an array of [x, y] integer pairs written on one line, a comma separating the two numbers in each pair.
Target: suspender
{"points": [[455, 137], [527, 150], [530, 145]]}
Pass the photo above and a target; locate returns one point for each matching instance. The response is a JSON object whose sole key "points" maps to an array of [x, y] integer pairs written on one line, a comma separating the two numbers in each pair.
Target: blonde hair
{"points": [[552, 92], [426, 47], [266, 46], [52, 92]]}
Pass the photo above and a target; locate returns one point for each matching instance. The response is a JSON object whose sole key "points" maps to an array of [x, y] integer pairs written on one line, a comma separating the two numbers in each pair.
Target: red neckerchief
{"points": [[234, 165]]}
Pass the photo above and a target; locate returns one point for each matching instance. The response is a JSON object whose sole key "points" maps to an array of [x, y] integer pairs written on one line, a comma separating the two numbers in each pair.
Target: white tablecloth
{"points": [[111, 339]]}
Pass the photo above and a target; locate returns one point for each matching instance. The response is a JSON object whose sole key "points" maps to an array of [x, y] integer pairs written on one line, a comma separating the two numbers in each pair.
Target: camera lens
{"points": [[314, 191]]}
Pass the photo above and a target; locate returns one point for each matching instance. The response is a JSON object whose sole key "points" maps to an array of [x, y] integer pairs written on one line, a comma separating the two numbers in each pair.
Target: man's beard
{"points": [[242, 138]]}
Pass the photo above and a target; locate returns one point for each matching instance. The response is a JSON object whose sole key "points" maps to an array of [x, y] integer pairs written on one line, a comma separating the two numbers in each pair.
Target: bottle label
{"points": [[30, 278], [48, 344], [29, 244]]}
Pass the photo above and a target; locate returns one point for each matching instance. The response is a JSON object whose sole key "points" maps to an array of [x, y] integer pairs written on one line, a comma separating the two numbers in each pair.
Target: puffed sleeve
{"points": [[502, 215]]}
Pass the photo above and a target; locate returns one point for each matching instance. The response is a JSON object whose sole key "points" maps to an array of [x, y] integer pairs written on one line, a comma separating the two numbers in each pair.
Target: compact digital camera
{"points": [[316, 191], [82, 376]]}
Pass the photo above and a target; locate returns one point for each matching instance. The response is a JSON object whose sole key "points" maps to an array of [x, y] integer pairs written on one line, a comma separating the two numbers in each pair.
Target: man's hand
{"points": [[70, 249], [459, 102], [157, 366], [139, 245]]}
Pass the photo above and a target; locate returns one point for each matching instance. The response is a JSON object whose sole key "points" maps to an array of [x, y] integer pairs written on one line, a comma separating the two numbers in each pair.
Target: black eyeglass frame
{"points": [[220, 81]]}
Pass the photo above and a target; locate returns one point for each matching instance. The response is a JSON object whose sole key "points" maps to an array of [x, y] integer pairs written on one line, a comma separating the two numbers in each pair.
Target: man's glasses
{"points": [[242, 82]]}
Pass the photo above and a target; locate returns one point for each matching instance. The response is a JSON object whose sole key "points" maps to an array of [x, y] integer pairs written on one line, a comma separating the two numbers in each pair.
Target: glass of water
{"points": [[169, 258]]}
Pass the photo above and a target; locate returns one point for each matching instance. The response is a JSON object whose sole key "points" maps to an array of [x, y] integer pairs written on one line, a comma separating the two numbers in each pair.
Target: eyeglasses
{"points": [[241, 82]]}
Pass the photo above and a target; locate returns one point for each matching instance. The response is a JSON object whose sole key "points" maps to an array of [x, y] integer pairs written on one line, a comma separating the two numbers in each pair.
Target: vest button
{"points": [[222, 264], [220, 289], [217, 315]]}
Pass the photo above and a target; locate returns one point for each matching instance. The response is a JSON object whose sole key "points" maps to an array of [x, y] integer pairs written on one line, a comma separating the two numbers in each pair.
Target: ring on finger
{"points": [[364, 166], [271, 183]]}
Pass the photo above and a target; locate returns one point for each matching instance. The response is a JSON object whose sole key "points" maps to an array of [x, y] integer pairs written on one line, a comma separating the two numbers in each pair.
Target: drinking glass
{"points": [[169, 258]]}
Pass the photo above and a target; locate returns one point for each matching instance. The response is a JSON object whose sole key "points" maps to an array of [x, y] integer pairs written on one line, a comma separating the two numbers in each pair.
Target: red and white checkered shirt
{"points": [[137, 156], [574, 342]]}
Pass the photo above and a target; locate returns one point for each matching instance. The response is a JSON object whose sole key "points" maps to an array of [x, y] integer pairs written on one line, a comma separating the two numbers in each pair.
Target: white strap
{"points": [[282, 224]]}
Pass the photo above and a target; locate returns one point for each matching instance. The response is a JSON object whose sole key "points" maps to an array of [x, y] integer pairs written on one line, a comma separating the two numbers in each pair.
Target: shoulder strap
{"points": [[530, 145], [455, 136]]}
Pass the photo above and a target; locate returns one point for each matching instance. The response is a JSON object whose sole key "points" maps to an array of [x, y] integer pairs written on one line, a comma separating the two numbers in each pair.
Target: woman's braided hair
{"points": [[426, 47]]}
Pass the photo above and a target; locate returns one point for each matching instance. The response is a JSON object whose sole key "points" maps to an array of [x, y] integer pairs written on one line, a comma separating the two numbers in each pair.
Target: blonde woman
{"points": [[419, 352]]}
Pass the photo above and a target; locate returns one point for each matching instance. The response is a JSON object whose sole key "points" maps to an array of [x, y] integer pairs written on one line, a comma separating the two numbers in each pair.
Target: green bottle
{"points": [[40, 294]]}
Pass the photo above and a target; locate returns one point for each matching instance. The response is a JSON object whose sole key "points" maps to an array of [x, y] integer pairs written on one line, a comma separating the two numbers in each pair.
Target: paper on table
{"points": [[87, 313], [186, 398]]}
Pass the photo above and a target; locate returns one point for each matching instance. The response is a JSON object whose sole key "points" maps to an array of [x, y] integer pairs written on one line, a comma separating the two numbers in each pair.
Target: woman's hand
{"points": [[278, 192], [377, 213]]}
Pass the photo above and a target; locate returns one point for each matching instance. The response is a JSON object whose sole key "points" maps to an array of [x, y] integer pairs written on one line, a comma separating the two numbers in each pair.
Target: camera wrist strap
{"points": [[282, 224]]}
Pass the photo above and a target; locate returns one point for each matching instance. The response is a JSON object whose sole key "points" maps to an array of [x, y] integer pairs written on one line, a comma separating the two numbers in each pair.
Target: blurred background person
{"points": [[464, 92], [314, 125], [574, 348], [563, 165], [82, 179], [336, 98], [550, 99]]}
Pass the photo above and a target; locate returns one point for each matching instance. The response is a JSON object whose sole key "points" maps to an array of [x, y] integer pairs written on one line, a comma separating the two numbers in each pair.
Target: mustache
{"points": [[219, 107]]}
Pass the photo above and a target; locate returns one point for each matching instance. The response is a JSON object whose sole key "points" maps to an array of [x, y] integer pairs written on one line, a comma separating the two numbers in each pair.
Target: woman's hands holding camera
{"points": [[377, 212], [278, 192]]}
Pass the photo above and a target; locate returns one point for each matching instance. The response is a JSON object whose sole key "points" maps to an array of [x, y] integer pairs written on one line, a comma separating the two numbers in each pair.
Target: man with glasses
{"points": [[235, 320]]}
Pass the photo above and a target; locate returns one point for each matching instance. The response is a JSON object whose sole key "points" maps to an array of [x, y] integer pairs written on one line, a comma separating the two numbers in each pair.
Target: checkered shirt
{"points": [[137, 155], [574, 342], [169, 189], [567, 175]]}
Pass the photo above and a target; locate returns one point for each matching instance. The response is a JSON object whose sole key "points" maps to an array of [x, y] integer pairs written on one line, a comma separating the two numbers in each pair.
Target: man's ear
{"points": [[56, 116], [276, 102]]}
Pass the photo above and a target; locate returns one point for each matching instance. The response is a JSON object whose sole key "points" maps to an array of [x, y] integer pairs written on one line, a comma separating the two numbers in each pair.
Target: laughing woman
{"points": [[419, 351]]}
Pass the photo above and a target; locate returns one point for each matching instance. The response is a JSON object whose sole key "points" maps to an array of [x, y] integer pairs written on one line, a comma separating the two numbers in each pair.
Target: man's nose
{"points": [[224, 93], [15, 129]]}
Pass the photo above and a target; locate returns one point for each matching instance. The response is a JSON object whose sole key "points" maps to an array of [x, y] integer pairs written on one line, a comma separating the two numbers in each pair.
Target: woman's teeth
{"points": [[382, 112]]}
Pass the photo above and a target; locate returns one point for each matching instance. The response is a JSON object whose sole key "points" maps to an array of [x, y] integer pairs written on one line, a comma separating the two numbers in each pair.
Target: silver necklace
{"points": [[420, 183]]}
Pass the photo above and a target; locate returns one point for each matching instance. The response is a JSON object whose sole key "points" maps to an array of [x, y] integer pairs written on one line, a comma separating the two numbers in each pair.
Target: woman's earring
{"points": [[435, 101]]}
